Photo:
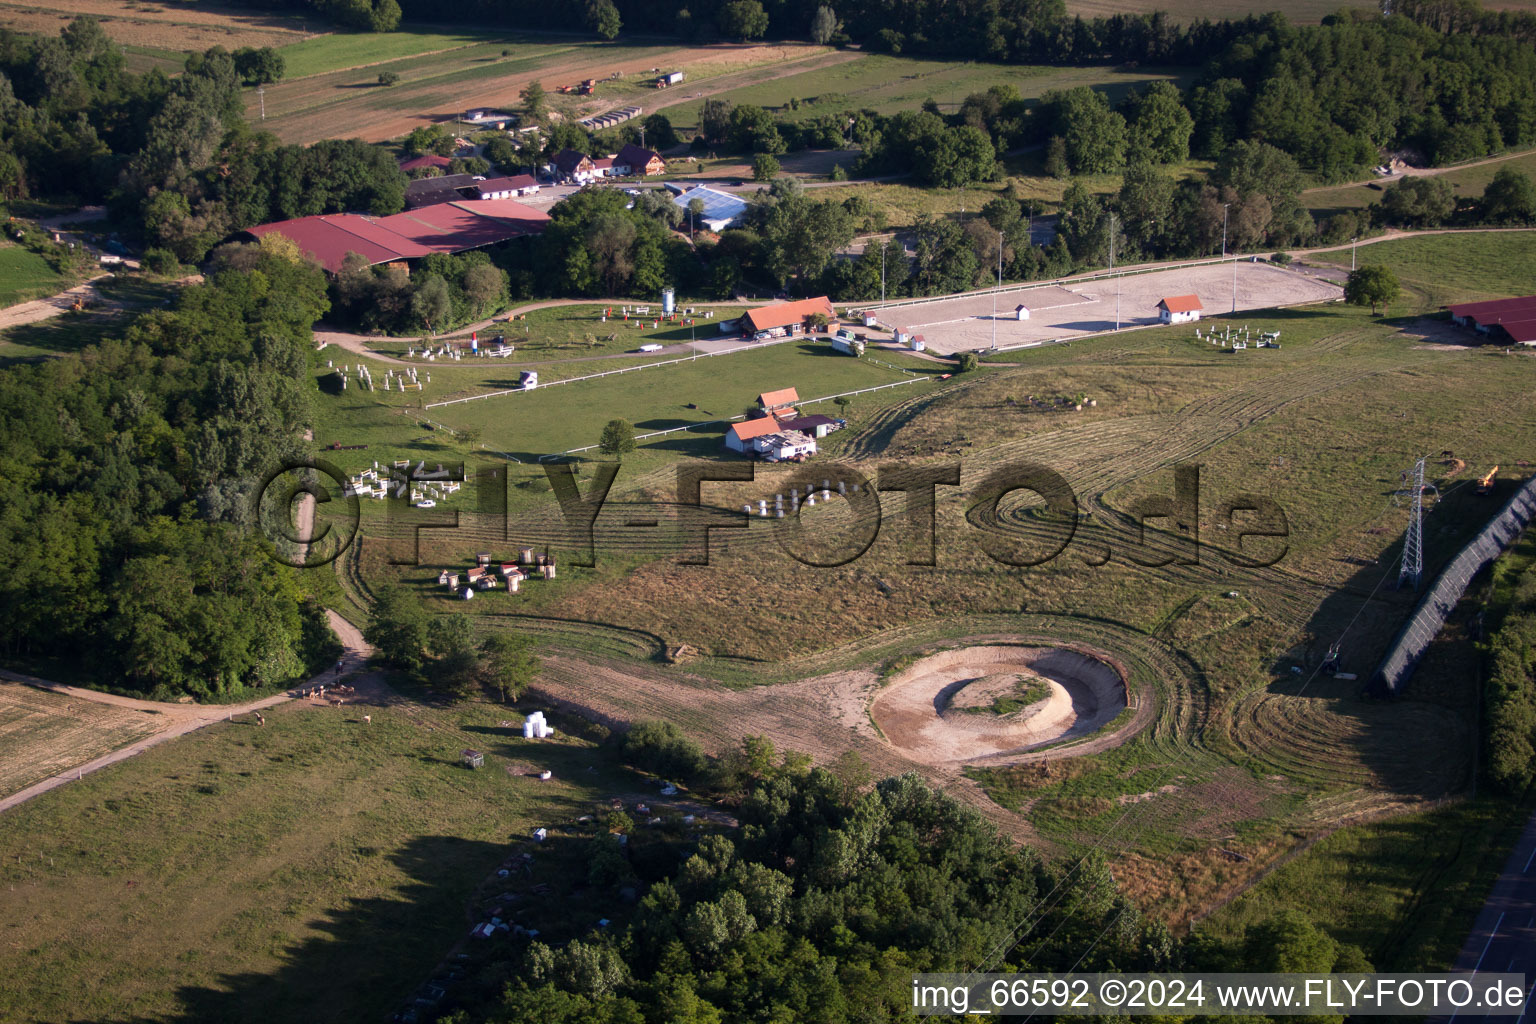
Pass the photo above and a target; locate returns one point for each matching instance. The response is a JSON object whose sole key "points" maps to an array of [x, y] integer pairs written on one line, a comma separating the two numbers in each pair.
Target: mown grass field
{"points": [[442, 73], [1467, 182], [239, 873], [339, 50], [555, 419], [24, 275], [1454, 267], [889, 83], [580, 332]]}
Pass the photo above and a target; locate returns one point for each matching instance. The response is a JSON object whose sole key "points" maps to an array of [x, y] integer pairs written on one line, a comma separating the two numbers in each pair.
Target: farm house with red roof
{"points": [[1179, 309]]}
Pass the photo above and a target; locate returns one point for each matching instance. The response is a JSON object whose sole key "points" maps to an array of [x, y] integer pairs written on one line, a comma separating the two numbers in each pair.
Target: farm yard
{"points": [[1090, 307]]}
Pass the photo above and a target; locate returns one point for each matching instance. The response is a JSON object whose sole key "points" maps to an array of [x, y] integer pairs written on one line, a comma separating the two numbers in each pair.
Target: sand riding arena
{"points": [[1080, 308], [976, 703]]}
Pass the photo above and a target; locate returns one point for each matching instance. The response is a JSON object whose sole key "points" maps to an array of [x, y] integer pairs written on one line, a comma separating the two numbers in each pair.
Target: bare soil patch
{"points": [[918, 714], [171, 26]]}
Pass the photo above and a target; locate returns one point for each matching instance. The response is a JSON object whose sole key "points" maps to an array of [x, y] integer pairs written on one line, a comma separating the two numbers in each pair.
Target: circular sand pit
{"points": [[980, 701]]}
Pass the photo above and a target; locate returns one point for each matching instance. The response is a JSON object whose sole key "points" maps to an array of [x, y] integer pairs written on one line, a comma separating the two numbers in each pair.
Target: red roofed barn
{"points": [[1507, 319], [444, 227]]}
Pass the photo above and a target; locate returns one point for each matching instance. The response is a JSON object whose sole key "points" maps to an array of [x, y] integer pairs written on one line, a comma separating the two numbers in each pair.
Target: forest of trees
{"points": [[828, 898], [126, 473]]}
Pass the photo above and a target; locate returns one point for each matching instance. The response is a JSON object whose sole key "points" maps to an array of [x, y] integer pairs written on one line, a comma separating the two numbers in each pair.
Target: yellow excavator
{"points": [[1485, 485]]}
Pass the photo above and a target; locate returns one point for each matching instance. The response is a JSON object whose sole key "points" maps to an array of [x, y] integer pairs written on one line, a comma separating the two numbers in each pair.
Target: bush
{"points": [[388, 77], [161, 261], [968, 362], [1281, 258], [661, 748], [765, 167]]}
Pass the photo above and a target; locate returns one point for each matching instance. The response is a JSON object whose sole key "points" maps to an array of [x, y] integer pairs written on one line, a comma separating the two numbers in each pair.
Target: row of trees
{"points": [[126, 473]]}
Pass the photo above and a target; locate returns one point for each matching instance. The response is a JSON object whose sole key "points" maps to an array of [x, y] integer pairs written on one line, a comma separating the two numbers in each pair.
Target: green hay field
{"points": [[24, 275], [888, 84], [1467, 182], [1458, 267]]}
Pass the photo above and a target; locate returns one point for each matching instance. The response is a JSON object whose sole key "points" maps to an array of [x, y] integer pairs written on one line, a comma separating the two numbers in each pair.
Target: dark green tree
{"points": [[618, 439], [1372, 285]]}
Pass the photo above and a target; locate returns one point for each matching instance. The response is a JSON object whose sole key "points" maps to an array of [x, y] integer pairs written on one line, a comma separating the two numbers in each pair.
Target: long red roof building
{"points": [[444, 227]]}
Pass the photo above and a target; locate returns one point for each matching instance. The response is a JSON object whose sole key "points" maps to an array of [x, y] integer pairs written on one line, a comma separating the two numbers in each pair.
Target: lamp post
{"points": [[998, 288], [883, 250], [1224, 229], [261, 94], [1112, 269]]}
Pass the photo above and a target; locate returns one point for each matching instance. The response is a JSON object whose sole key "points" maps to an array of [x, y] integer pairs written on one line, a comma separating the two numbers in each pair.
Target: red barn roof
{"points": [[1181, 304], [445, 227], [783, 396], [427, 160], [746, 430]]}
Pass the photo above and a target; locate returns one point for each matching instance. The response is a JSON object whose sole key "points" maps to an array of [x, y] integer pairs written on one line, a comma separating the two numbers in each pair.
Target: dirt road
{"points": [[181, 719], [45, 309], [1421, 172]]}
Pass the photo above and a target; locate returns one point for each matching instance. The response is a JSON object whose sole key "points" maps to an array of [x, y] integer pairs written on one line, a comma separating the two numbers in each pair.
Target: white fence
{"points": [[751, 347]]}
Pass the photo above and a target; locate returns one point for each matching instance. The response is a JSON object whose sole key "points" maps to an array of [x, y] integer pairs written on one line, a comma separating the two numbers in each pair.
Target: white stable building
{"points": [[1179, 309]]}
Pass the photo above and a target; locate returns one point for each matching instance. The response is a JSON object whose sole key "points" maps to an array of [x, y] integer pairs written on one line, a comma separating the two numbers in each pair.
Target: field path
{"points": [[52, 306], [1422, 172], [725, 83], [184, 718], [1393, 235]]}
